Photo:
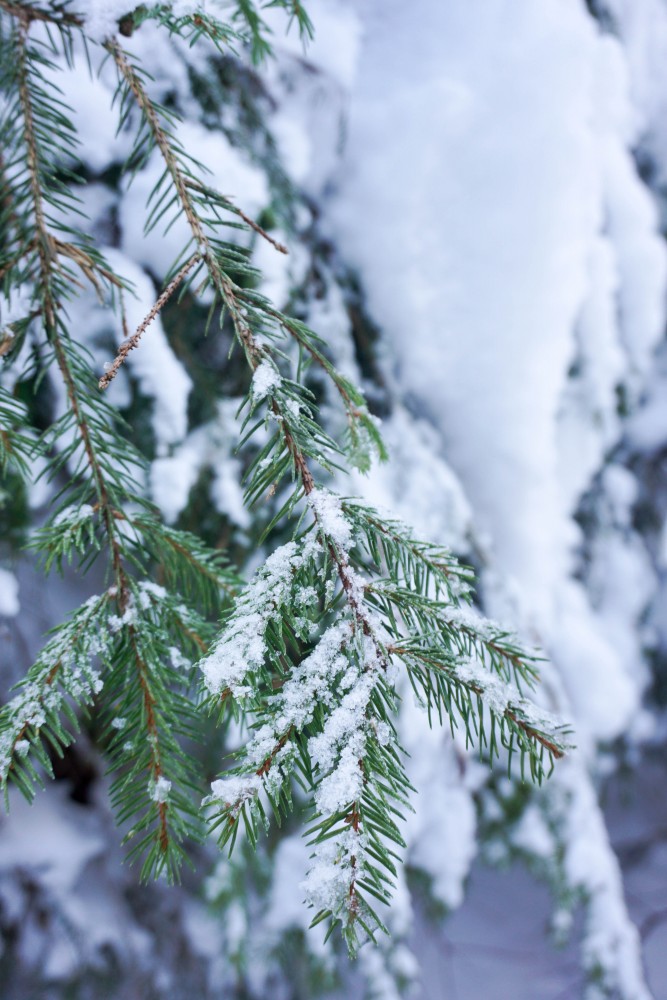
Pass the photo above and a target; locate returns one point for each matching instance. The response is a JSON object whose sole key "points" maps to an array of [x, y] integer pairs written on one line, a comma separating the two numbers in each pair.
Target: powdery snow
{"points": [[265, 380], [543, 288], [327, 509], [102, 16], [337, 863], [210, 446], [72, 516], [233, 792], [9, 594], [159, 789], [242, 647], [610, 940]]}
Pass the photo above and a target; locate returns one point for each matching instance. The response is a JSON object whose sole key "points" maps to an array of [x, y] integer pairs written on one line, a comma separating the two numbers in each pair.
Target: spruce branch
{"points": [[215, 198], [47, 286], [331, 716], [314, 651], [63, 676], [357, 784], [94, 514], [16, 447]]}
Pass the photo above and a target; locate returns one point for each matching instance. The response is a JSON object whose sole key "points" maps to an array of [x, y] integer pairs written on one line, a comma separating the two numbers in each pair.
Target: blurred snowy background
{"points": [[474, 195]]}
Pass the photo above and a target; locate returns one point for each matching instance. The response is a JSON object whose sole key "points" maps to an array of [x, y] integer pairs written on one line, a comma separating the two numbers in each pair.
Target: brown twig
{"points": [[221, 281], [230, 206], [266, 765], [529, 730], [87, 265], [133, 341], [26, 14], [280, 247]]}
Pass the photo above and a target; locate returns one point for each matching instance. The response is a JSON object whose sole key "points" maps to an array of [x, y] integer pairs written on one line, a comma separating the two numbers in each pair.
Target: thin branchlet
{"points": [[132, 342], [28, 14], [47, 248]]}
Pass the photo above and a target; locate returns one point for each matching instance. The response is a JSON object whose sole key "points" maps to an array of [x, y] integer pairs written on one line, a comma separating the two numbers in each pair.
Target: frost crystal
{"points": [[177, 660], [494, 692], [148, 587], [499, 696]]}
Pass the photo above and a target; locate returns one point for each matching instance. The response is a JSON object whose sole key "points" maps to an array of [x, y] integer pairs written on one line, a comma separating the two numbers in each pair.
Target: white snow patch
{"points": [[102, 16], [159, 789], [9, 594], [265, 380], [242, 647], [328, 511]]}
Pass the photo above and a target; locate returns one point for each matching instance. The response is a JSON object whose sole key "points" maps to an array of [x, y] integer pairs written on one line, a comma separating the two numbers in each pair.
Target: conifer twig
{"points": [[133, 341], [229, 295], [229, 204], [27, 13]]}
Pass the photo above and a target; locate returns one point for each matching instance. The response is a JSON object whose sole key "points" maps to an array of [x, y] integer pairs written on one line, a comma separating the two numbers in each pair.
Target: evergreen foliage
{"points": [[310, 648]]}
